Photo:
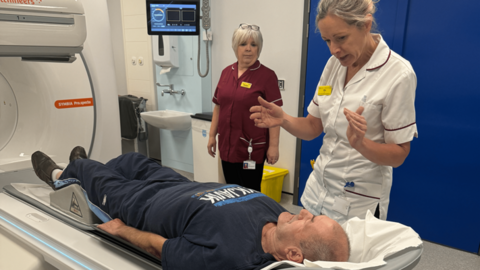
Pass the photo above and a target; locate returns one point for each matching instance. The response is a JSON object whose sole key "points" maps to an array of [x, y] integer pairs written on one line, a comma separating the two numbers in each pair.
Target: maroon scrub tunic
{"points": [[236, 96]]}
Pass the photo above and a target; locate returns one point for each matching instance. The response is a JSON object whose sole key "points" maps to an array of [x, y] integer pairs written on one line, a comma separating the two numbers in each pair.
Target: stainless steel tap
{"points": [[170, 90]]}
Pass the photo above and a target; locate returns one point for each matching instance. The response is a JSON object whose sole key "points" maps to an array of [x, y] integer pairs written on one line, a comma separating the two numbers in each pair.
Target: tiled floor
{"points": [[435, 256]]}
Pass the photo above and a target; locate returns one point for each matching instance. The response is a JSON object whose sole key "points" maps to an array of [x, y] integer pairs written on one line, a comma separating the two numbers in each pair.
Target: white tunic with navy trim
{"points": [[385, 87]]}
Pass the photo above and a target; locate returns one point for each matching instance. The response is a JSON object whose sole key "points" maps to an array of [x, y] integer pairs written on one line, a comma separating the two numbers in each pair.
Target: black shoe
{"points": [[78, 153], [43, 166]]}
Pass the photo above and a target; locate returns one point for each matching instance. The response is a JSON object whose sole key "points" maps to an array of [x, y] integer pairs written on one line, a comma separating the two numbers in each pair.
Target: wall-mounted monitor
{"points": [[172, 17]]}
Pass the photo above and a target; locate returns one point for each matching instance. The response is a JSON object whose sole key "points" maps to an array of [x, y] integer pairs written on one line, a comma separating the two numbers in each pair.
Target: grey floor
{"points": [[435, 257]]}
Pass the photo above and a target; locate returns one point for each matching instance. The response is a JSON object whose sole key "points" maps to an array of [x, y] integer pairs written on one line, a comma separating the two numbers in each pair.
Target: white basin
{"points": [[167, 119]]}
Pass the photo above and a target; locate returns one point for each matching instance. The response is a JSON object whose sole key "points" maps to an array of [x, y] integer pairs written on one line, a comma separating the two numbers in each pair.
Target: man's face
{"points": [[293, 228]]}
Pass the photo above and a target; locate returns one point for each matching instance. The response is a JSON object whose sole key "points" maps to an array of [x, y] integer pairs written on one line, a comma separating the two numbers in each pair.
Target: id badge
{"points": [[249, 165], [246, 85], [325, 90], [341, 205]]}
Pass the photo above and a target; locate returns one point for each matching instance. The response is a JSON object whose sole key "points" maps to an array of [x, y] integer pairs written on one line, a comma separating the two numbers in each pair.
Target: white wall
{"points": [[280, 22], [137, 44], [116, 23]]}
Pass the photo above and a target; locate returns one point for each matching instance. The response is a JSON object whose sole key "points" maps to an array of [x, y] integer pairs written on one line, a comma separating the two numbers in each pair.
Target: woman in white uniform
{"points": [[364, 102]]}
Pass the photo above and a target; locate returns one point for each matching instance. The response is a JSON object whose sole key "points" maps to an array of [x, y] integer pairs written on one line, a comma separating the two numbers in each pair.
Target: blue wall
{"points": [[435, 191]]}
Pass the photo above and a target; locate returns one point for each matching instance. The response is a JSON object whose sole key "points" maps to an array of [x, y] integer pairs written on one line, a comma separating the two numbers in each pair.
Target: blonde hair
{"points": [[353, 12], [242, 35]]}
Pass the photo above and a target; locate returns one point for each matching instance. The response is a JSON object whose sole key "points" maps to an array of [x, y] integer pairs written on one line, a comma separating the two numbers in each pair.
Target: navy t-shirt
{"points": [[208, 225]]}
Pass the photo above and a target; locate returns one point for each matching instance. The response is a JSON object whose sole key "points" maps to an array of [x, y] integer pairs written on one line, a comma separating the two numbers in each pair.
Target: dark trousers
{"points": [[235, 174], [377, 211], [119, 178]]}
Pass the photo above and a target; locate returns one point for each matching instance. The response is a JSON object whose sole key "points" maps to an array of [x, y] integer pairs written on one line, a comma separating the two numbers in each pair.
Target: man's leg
{"points": [[105, 187], [135, 166]]}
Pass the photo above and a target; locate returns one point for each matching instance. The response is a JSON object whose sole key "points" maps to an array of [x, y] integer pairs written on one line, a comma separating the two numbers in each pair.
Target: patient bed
{"points": [[70, 206], [66, 240]]}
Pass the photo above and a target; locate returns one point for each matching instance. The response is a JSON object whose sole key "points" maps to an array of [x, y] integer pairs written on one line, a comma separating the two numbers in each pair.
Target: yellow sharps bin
{"points": [[272, 182]]}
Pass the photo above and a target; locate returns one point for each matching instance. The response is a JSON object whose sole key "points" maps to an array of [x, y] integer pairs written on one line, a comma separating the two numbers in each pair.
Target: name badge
{"points": [[246, 85], [325, 90], [249, 165], [341, 205]]}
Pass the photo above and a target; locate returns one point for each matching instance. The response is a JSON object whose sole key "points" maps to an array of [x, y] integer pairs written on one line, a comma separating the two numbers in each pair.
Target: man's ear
{"points": [[294, 254]]}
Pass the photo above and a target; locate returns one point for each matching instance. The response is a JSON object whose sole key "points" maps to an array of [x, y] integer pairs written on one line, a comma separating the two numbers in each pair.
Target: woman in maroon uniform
{"points": [[244, 147]]}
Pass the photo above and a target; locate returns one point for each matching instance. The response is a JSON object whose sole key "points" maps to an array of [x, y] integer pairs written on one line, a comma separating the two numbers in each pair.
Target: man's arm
{"points": [[150, 242]]}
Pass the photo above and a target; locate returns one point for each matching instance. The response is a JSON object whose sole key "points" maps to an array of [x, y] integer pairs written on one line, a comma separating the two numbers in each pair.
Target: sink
{"points": [[167, 119]]}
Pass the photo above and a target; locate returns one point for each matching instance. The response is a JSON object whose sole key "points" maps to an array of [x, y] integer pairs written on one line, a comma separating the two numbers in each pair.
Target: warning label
{"points": [[75, 207], [73, 103]]}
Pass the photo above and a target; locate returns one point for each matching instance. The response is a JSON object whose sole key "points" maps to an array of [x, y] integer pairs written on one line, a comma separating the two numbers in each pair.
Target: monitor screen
{"points": [[171, 17]]}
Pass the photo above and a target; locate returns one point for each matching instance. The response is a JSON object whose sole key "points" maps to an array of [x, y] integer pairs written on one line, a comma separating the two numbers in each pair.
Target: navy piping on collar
{"points": [[389, 53], [401, 127]]}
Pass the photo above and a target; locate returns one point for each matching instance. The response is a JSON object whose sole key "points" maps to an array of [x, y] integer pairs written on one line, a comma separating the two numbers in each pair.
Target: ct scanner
{"points": [[57, 90]]}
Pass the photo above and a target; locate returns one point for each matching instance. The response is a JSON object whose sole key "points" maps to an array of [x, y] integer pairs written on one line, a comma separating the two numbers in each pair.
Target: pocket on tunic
{"points": [[373, 115], [325, 106], [371, 107]]}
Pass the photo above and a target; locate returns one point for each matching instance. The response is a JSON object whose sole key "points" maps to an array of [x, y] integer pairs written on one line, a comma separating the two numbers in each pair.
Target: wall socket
{"points": [[281, 85], [208, 35]]}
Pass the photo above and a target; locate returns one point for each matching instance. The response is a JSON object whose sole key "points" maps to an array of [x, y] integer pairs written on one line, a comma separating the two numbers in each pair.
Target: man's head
{"points": [[305, 236]]}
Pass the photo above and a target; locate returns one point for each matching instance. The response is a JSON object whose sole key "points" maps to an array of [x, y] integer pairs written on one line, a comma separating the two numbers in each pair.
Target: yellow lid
{"points": [[269, 172]]}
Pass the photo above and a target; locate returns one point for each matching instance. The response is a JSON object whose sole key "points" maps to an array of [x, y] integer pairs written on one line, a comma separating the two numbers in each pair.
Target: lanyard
{"points": [[250, 149]]}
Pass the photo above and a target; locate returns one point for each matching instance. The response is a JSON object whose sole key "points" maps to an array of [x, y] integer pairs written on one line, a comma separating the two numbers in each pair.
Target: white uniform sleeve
{"points": [[398, 115], [313, 106]]}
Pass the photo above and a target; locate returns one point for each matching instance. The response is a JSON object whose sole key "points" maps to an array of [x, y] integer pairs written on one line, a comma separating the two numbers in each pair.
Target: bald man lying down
{"points": [[190, 225]]}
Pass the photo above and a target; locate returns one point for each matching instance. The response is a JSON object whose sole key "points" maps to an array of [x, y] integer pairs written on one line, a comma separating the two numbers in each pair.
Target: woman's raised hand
{"points": [[266, 115], [357, 127]]}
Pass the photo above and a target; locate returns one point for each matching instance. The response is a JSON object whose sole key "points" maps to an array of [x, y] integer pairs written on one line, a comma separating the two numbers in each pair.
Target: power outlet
{"points": [[281, 85], [207, 35]]}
